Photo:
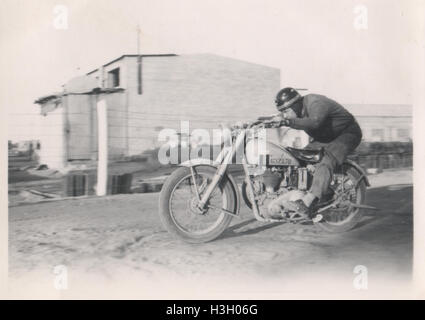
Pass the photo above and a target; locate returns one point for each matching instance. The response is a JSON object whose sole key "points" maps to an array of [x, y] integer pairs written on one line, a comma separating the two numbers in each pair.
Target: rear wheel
{"points": [[178, 205], [345, 218]]}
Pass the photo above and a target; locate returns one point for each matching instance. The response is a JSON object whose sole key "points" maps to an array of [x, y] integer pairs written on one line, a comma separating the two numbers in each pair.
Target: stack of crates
{"points": [[77, 184], [119, 183]]}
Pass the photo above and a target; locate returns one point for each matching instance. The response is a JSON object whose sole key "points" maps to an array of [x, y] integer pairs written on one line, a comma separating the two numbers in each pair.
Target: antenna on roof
{"points": [[138, 39], [139, 63]]}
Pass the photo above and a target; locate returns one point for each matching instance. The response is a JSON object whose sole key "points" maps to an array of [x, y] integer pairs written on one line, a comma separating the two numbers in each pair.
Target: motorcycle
{"points": [[200, 198]]}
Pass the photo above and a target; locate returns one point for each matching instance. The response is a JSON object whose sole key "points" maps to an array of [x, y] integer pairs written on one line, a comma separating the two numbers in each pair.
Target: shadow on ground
{"points": [[389, 200]]}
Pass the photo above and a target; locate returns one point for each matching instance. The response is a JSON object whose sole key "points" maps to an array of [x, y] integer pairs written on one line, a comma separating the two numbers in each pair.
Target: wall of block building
{"points": [[204, 89]]}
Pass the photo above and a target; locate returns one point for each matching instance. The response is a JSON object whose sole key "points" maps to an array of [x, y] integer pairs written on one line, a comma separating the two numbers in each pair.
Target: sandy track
{"points": [[120, 234]]}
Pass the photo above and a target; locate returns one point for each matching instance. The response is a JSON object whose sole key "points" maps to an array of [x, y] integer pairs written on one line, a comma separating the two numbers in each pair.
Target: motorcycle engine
{"points": [[276, 181], [272, 180], [288, 177]]}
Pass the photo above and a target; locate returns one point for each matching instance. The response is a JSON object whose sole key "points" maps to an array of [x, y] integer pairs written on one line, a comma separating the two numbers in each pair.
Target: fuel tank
{"points": [[260, 152]]}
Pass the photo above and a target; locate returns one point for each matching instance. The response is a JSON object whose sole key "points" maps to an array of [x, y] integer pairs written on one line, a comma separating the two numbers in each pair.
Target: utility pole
{"points": [[138, 39]]}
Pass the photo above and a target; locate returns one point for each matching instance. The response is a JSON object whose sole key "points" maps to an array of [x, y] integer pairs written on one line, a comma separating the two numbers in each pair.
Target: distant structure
{"points": [[27, 145], [146, 93], [383, 123]]}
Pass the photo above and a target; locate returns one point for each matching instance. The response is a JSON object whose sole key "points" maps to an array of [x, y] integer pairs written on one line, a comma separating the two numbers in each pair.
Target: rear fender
{"points": [[206, 162], [359, 169]]}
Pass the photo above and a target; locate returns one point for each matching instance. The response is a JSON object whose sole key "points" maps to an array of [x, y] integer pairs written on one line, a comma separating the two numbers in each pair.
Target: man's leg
{"points": [[335, 153], [321, 179], [321, 174], [314, 145]]}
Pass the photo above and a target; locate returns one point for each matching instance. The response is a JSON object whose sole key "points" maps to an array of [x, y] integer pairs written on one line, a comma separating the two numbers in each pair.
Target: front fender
{"points": [[208, 162], [199, 161]]}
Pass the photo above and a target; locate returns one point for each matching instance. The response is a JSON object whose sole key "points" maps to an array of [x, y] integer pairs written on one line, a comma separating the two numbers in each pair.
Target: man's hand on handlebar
{"points": [[276, 123]]}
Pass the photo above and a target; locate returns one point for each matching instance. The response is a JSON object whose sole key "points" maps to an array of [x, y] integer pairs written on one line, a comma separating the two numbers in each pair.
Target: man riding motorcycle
{"points": [[330, 126]]}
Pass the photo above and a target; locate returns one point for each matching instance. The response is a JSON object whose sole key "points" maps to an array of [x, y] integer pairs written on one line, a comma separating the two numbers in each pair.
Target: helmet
{"points": [[286, 97]]}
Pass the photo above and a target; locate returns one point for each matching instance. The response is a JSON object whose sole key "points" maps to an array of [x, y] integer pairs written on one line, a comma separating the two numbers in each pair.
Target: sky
{"points": [[314, 43]]}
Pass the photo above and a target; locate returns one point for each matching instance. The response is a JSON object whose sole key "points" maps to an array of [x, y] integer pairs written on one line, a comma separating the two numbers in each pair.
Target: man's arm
{"points": [[317, 115]]}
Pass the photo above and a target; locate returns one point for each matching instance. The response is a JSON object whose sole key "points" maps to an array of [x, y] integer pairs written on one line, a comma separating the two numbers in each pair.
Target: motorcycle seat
{"points": [[307, 155]]}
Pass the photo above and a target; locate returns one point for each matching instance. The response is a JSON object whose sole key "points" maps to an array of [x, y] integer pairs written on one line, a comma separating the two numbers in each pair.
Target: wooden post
{"points": [[66, 134], [102, 136]]}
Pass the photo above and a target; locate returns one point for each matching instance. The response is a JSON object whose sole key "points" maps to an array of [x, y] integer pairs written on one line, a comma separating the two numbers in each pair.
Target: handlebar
{"points": [[268, 124], [265, 120]]}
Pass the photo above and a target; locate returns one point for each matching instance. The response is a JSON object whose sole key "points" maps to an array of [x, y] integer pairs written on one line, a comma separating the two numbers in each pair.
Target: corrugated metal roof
{"points": [[133, 56], [48, 98]]}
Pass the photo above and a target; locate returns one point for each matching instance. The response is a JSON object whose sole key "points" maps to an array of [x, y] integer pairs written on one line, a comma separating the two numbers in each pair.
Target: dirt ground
{"points": [[116, 247]]}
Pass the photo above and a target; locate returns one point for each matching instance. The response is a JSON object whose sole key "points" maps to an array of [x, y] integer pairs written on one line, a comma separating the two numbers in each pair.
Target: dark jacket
{"points": [[324, 119]]}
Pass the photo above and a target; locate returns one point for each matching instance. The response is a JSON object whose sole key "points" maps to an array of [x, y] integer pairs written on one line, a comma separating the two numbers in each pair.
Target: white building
{"points": [[147, 93]]}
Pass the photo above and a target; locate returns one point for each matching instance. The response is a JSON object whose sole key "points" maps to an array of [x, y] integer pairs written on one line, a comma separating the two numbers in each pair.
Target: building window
{"points": [[378, 134], [114, 78], [402, 134]]}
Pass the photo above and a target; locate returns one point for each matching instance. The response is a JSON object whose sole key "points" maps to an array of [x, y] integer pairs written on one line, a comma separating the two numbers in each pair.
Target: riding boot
{"points": [[300, 208]]}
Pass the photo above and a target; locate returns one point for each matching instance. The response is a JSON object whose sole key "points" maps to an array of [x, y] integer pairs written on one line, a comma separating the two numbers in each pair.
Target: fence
{"points": [[384, 161]]}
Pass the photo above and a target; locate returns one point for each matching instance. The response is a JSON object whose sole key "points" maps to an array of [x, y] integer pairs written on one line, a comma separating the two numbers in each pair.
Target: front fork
{"points": [[215, 181], [251, 193], [225, 159]]}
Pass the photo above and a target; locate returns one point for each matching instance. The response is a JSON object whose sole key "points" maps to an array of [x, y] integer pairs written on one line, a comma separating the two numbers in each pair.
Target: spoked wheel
{"points": [[179, 210], [345, 217]]}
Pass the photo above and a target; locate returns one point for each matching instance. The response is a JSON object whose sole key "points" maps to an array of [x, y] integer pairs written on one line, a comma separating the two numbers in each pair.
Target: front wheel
{"points": [[346, 218], [178, 205]]}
